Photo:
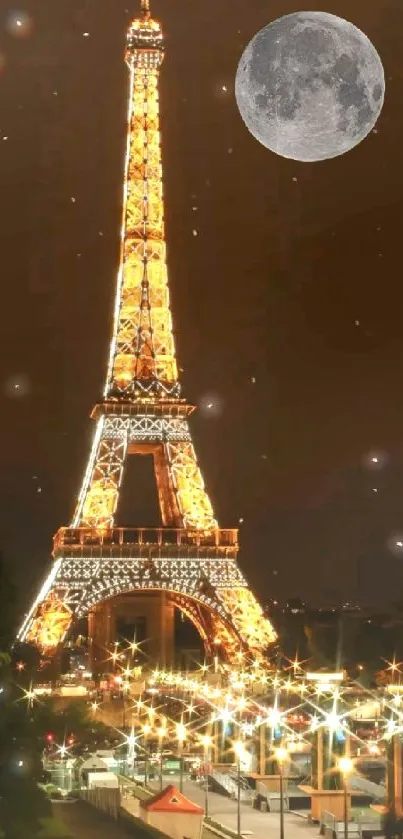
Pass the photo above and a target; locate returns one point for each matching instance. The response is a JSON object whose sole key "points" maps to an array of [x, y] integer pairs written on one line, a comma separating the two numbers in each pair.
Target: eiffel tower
{"points": [[189, 562]]}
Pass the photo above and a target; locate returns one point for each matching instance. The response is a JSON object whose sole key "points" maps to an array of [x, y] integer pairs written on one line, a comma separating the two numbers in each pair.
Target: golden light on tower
{"points": [[50, 625], [142, 412]]}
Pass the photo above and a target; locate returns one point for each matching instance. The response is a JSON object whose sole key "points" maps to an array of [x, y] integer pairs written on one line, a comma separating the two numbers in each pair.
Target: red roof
{"points": [[170, 800]]}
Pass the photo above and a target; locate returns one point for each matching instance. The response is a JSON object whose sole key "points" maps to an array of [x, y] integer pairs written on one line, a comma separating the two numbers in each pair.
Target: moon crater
{"points": [[310, 86]]}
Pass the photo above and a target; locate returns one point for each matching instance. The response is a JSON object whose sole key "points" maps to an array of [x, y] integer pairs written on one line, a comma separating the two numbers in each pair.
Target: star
{"points": [[19, 24], [17, 386]]}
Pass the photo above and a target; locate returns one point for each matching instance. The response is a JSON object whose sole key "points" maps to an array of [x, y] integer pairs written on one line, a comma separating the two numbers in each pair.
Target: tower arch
{"points": [[142, 410]]}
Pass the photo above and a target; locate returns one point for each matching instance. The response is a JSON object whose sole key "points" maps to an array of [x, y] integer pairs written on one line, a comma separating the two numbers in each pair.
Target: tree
{"points": [[15, 818], [7, 607], [51, 716], [22, 803]]}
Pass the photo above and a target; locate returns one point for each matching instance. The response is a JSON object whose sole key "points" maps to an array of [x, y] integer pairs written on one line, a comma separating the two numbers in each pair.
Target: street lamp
{"points": [[206, 742], [131, 741], [161, 732], [345, 765], [146, 731], [63, 752], [239, 752], [281, 756], [181, 737]]}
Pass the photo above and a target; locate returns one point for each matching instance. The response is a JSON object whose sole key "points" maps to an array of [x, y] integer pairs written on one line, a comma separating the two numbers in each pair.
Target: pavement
{"points": [[224, 810]]}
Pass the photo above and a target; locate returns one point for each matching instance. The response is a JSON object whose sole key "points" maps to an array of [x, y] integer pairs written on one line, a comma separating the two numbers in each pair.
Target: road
{"points": [[260, 825], [85, 822], [224, 810]]}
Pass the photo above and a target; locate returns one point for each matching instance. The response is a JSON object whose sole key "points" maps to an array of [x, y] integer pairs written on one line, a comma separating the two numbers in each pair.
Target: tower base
{"points": [[195, 571], [148, 618]]}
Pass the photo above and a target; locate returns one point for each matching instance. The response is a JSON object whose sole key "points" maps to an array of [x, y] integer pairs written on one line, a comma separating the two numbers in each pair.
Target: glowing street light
{"points": [[29, 696], [345, 765], [225, 715], [239, 751], [181, 737], [147, 729], [161, 733], [333, 721], [273, 717], [131, 741], [281, 755], [206, 741]]}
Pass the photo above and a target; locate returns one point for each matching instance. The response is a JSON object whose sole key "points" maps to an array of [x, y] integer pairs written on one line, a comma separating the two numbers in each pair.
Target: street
{"points": [[261, 825], [224, 810]]}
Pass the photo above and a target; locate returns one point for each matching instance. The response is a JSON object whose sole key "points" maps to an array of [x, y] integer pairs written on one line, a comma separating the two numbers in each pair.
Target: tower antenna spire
{"points": [[145, 8]]}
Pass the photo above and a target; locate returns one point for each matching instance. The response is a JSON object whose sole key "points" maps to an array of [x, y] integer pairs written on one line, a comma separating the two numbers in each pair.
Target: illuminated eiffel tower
{"points": [[189, 561]]}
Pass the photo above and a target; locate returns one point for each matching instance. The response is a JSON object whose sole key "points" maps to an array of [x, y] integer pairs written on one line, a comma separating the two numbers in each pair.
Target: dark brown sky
{"points": [[288, 256]]}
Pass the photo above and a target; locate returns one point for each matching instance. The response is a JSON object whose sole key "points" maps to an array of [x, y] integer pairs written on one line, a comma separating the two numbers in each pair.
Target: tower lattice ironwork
{"points": [[189, 558]]}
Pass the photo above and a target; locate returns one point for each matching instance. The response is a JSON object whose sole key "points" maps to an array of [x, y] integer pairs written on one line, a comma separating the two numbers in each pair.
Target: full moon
{"points": [[310, 86]]}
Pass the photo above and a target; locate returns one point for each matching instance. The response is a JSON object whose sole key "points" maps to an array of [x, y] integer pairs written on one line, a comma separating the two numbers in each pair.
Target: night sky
{"points": [[288, 303]]}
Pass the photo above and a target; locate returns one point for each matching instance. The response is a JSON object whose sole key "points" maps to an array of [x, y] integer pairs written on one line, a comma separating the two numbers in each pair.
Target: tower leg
{"points": [[167, 631], [101, 634], [107, 621]]}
